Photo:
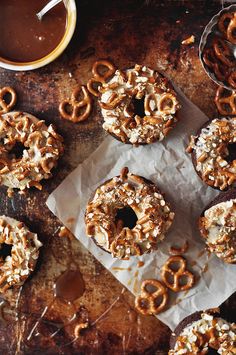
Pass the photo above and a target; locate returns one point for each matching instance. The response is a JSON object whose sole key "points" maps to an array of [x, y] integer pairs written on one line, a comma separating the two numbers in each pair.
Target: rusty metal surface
{"points": [[127, 32]]}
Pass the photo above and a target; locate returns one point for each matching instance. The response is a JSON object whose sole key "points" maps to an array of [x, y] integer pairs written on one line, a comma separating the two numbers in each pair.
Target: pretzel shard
{"points": [[76, 105], [4, 106], [175, 282], [147, 302]]}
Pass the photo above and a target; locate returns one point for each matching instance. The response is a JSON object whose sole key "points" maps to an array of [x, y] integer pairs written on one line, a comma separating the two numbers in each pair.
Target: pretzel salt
{"points": [[76, 105], [172, 278], [225, 101], [98, 77], [4, 106], [147, 302]]}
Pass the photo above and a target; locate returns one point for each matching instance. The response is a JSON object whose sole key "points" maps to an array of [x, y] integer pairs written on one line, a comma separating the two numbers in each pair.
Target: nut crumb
{"points": [[64, 232], [79, 327], [188, 40], [10, 192]]}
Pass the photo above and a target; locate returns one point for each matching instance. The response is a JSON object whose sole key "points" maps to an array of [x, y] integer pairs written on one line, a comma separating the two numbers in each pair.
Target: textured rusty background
{"points": [[128, 32]]}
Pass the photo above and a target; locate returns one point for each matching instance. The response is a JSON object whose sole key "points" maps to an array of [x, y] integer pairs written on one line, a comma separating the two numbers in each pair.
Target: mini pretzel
{"points": [[232, 79], [225, 101], [165, 108], [146, 302], [231, 30], [179, 250], [4, 106], [224, 21], [212, 62], [75, 115], [98, 77], [223, 52], [175, 284]]}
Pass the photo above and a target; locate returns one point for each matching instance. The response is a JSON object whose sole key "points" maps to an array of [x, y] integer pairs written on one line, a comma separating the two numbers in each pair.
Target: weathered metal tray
{"points": [[127, 32]]}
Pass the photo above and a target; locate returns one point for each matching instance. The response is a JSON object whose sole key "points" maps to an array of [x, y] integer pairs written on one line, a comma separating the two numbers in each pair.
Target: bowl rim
{"points": [[70, 29], [203, 42]]}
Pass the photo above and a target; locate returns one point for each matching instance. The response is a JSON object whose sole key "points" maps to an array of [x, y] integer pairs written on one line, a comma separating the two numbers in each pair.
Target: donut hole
{"points": [[127, 216], [17, 150], [5, 250], [231, 153], [137, 106]]}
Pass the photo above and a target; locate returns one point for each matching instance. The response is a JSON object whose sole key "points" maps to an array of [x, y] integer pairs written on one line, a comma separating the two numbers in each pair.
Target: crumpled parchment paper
{"points": [[170, 167]]}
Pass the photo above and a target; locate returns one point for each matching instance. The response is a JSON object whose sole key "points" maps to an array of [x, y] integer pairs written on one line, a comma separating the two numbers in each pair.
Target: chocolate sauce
{"points": [[23, 37], [69, 286]]}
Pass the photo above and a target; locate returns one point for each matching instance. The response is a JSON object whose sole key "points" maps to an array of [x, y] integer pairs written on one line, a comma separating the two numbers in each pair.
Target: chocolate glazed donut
{"points": [[127, 216], [139, 106], [216, 165], [223, 241], [204, 332]]}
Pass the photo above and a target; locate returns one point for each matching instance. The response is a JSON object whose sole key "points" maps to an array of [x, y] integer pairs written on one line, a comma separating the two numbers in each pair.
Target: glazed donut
{"points": [[211, 155], [201, 332], [138, 105], [17, 266], [153, 214], [217, 226], [42, 148]]}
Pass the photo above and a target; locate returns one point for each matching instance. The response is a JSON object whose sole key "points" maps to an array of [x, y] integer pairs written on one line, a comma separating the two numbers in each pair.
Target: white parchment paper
{"points": [[167, 164]]}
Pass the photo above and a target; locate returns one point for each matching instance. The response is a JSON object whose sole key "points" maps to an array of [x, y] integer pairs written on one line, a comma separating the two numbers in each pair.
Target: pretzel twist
{"points": [[231, 29], [179, 250], [226, 104], [224, 21], [75, 115], [98, 77], [146, 302], [174, 283], [217, 67], [232, 79], [4, 106], [223, 52], [167, 103]]}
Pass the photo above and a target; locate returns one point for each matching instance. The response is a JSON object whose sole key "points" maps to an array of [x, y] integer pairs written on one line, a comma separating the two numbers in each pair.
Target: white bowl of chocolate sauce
{"points": [[27, 43]]}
